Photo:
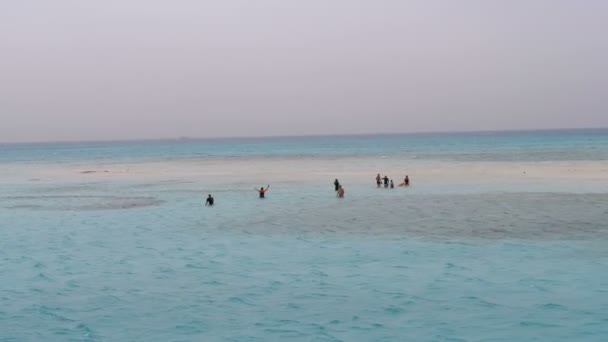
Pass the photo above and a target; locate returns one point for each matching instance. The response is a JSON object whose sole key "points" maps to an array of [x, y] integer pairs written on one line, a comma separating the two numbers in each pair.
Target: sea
{"points": [[501, 236]]}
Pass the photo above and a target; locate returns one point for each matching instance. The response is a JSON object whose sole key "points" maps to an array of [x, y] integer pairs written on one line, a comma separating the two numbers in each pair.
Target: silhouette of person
{"points": [[262, 191]]}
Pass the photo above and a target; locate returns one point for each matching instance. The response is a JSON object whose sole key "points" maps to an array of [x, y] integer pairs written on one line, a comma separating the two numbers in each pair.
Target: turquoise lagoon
{"points": [[88, 253]]}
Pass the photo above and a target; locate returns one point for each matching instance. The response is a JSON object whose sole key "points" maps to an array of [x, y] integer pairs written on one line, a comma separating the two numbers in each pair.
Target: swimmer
{"points": [[262, 191], [392, 184], [336, 185], [209, 201], [385, 181], [341, 192], [378, 180]]}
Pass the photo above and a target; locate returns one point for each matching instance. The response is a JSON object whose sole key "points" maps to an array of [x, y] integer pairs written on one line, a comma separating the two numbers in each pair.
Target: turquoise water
{"points": [[485, 146], [143, 260]]}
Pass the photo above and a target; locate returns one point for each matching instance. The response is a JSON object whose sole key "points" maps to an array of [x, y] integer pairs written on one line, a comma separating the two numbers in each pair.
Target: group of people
{"points": [[379, 180], [337, 187], [261, 192], [385, 180]]}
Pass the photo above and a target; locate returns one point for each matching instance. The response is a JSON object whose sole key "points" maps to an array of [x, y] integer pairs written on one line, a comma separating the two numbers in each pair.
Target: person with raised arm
{"points": [[262, 191]]}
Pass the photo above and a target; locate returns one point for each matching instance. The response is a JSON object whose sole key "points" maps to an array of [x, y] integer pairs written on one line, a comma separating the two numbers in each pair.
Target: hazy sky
{"points": [[129, 69]]}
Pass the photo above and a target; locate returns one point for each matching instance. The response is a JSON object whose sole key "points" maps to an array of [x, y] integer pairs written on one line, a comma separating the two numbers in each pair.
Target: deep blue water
{"points": [[128, 259]]}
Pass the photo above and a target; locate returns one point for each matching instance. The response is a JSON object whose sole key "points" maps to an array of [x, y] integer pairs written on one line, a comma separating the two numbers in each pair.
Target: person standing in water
{"points": [[385, 181], [209, 201], [378, 180], [262, 191], [392, 184], [341, 192], [336, 185], [406, 181]]}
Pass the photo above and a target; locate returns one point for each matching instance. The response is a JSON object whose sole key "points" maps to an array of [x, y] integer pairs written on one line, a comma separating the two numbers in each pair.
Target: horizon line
{"points": [[278, 136]]}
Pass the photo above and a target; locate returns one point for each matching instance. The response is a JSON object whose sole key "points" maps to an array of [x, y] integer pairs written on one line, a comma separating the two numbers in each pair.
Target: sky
{"points": [[141, 69]]}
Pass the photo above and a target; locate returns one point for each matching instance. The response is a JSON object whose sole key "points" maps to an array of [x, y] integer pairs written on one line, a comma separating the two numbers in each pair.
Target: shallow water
{"points": [[122, 258]]}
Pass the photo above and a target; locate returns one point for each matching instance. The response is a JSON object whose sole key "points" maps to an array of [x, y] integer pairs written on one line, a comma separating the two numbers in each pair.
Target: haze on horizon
{"points": [[138, 69]]}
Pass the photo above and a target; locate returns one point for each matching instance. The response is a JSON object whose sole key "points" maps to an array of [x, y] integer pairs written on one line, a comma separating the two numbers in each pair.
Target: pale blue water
{"points": [[143, 260]]}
